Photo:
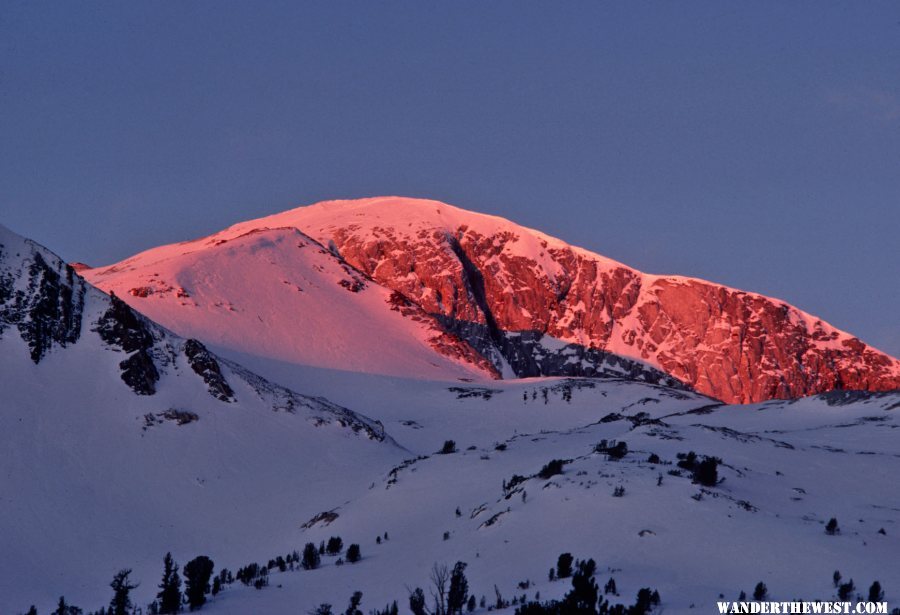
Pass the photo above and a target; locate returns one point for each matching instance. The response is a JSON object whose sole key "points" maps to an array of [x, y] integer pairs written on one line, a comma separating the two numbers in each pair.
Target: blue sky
{"points": [[753, 144]]}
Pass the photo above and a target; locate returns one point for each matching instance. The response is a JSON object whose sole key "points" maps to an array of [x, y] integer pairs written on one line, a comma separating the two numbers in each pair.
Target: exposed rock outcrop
{"points": [[472, 269], [122, 328], [44, 300], [205, 365]]}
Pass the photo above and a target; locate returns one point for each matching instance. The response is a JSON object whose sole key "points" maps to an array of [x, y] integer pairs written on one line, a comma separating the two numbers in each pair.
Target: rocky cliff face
{"points": [[479, 270], [43, 300]]}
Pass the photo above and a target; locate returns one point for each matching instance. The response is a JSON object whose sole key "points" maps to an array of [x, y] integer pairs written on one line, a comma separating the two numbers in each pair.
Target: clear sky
{"points": [[752, 144]]}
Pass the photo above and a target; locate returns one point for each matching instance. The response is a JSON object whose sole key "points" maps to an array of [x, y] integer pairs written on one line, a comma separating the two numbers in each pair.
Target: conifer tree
{"points": [[335, 545], [311, 557], [417, 602], [564, 566], [355, 600], [197, 574], [459, 590], [120, 604], [170, 587], [610, 587], [584, 594], [66, 609]]}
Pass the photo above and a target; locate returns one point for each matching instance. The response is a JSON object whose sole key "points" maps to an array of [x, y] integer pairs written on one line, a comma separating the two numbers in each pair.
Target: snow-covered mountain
{"points": [[118, 438], [480, 296], [275, 292], [121, 441]]}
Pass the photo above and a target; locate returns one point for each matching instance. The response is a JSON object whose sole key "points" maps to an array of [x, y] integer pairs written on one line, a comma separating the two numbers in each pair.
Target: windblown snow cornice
{"points": [[529, 304]]}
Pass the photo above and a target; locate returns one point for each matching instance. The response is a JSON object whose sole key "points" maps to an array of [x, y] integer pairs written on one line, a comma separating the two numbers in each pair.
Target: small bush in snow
{"points": [[551, 469], [514, 480], [614, 450]]}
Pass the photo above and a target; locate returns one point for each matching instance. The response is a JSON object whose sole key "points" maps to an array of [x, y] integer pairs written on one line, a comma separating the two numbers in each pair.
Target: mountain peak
{"points": [[523, 303]]}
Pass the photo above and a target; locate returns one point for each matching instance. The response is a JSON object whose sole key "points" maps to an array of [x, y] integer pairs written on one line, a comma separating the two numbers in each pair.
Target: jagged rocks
{"points": [[179, 417], [48, 309], [140, 373], [206, 366], [121, 327], [141, 291]]}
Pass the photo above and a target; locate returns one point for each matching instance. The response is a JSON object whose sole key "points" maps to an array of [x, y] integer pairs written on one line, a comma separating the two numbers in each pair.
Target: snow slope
{"points": [[274, 292], [763, 522]]}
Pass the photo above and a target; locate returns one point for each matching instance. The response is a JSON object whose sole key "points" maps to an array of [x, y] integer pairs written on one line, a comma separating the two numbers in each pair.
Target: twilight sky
{"points": [[753, 144]]}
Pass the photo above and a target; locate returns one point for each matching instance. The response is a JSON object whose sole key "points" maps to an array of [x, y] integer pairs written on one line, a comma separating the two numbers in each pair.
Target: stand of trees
{"points": [[584, 598], [704, 471]]}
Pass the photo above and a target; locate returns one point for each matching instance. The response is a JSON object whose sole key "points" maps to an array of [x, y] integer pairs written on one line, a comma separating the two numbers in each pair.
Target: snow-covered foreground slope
{"points": [[120, 441], [527, 303], [787, 469], [421, 415]]}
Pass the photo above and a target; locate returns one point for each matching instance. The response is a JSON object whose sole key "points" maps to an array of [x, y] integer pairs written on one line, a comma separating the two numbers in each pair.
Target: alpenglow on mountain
{"points": [[124, 442], [420, 288]]}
